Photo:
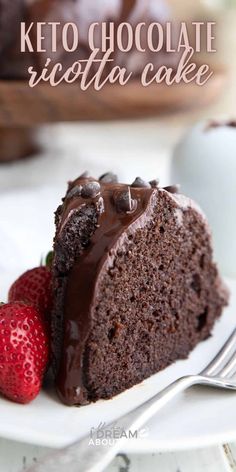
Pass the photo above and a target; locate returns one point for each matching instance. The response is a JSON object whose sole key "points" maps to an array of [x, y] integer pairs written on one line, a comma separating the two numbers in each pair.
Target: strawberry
{"points": [[24, 351], [35, 288]]}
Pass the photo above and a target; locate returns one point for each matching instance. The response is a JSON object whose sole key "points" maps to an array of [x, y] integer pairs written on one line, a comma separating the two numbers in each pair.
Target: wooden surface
{"points": [[22, 106]]}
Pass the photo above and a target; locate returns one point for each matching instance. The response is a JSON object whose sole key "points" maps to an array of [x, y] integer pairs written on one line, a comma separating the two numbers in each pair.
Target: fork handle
{"points": [[83, 457]]}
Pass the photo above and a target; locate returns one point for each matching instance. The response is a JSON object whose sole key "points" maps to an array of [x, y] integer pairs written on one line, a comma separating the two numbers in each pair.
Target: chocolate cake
{"points": [[18, 143], [86, 12], [10, 16], [136, 287]]}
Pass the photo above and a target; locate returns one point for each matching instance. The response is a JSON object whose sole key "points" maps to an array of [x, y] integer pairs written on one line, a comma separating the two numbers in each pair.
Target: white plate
{"points": [[197, 418]]}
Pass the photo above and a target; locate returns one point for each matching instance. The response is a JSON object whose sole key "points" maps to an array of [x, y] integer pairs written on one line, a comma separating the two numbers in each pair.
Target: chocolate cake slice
{"points": [[136, 287]]}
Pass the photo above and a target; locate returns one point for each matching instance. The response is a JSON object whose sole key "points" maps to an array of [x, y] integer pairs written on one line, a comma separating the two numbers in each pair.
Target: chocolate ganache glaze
{"points": [[121, 210]]}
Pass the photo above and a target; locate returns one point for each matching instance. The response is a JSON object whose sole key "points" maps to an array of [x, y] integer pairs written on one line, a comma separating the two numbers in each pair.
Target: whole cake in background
{"points": [[206, 155], [11, 13], [135, 285], [14, 64]]}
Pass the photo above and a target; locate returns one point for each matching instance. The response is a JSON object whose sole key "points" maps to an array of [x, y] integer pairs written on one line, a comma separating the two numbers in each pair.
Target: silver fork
{"points": [[82, 457]]}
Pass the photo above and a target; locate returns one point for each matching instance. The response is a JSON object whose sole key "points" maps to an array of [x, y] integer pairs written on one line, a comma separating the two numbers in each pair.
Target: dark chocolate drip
{"points": [[80, 298]]}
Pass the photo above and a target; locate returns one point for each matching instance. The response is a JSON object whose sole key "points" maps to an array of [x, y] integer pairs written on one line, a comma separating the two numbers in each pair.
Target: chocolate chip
{"points": [[108, 178], [74, 192], [154, 183], [140, 183], [85, 175], [172, 188], [124, 201], [90, 190]]}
